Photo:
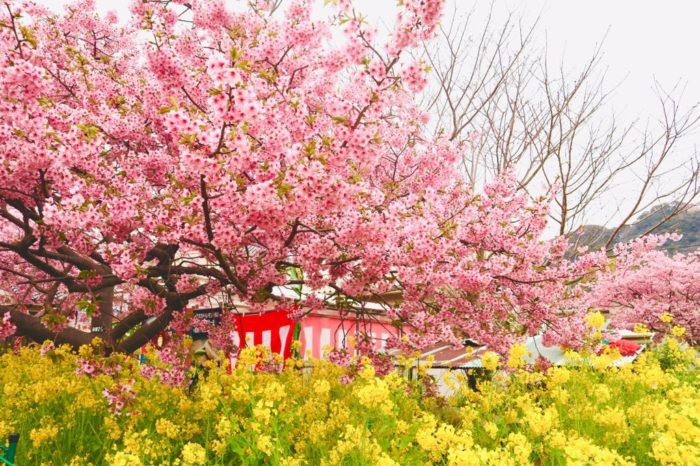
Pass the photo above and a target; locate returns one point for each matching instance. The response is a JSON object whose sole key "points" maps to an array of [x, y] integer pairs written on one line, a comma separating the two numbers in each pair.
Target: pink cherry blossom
{"points": [[643, 283], [150, 166]]}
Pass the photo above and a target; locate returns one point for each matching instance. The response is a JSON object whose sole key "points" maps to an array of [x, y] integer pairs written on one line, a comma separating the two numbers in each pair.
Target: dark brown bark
{"points": [[101, 322], [145, 333], [32, 327], [127, 323], [96, 282]]}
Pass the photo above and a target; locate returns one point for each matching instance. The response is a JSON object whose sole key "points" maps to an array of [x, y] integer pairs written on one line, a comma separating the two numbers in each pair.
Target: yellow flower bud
{"points": [[678, 331], [595, 320], [490, 360]]}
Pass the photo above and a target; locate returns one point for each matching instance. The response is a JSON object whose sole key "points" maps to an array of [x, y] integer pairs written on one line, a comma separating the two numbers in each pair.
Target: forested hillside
{"points": [[687, 224]]}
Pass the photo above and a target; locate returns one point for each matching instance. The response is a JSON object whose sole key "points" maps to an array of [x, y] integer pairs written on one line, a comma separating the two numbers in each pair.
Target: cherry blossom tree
{"points": [[644, 285], [198, 150]]}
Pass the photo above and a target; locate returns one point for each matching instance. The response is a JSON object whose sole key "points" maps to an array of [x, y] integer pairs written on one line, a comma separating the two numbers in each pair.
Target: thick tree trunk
{"points": [[145, 333], [32, 327], [101, 322]]}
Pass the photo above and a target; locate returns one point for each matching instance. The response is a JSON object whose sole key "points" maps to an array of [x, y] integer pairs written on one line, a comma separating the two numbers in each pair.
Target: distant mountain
{"points": [[686, 224]]}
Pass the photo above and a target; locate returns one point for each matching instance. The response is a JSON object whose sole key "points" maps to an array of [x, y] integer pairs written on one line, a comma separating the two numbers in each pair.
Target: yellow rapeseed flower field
{"points": [[587, 413]]}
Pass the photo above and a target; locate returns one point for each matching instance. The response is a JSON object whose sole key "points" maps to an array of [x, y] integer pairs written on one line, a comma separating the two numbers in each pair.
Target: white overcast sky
{"points": [[644, 41]]}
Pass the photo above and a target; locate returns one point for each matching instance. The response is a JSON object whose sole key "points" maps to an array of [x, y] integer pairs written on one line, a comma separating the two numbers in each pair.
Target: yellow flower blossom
{"points": [[321, 387], [541, 421], [223, 428], [580, 414], [490, 360], [520, 447], [263, 411], [556, 439], [595, 320], [291, 461], [79, 461], [640, 328], [113, 429], [557, 376], [264, 444], [491, 429], [582, 452], [678, 331], [601, 393], [516, 356], [193, 454], [375, 394], [274, 391], [122, 458], [167, 428], [43, 434]]}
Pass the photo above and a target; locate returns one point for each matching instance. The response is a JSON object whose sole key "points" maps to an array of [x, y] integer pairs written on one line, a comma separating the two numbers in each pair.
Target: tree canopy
{"points": [[199, 151]]}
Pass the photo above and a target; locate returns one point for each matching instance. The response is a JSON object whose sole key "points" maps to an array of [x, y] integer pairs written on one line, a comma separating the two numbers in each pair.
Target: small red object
{"points": [[625, 347]]}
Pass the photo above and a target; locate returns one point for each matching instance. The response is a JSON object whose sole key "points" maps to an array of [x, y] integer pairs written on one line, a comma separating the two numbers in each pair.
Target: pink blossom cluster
{"points": [[168, 161], [643, 283], [173, 376], [85, 367], [7, 328], [92, 367], [415, 76], [383, 363], [47, 347], [296, 313], [120, 396], [417, 21]]}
